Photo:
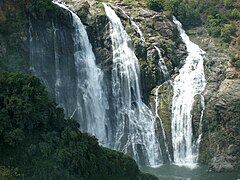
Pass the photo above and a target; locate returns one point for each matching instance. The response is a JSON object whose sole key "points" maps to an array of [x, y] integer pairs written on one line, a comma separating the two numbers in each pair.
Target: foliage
{"points": [[7, 173], [41, 7], [146, 176], [156, 5], [84, 11], [37, 139], [235, 14], [184, 12], [14, 20], [228, 3], [226, 32], [216, 15]]}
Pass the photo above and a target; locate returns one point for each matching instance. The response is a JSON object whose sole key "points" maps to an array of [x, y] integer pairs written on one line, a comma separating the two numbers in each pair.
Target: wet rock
{"points": [[196, 116], [219, 164], [165, 94], [231, 73]]}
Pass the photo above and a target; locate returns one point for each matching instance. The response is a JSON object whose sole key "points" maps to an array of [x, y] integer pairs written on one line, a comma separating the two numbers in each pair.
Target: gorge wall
{"points": [[221, 138]]}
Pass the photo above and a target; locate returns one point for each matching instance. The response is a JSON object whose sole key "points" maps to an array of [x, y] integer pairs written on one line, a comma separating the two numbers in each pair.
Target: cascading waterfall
{"points": [[91, 103], [162, 65], [189, 83], [135, 26], [134, 120]]}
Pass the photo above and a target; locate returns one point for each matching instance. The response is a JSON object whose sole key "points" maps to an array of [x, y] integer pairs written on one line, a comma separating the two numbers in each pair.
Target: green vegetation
{"points": [[184, 11], [41, 7], [84, 11], [37, 142], [221, 18]]}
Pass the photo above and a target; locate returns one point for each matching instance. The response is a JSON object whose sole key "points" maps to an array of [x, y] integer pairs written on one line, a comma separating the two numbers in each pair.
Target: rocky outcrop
{"points": [[221, 135], [163, 94]]}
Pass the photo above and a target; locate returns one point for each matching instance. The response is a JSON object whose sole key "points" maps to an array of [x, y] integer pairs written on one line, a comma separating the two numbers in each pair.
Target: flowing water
{"points": [[81, 96], [162, 65], [189, 83], [135, 26], [135, 122], [173, 172], [77, 84]]}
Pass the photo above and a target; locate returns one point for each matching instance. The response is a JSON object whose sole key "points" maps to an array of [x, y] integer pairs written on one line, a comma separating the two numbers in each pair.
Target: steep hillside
{"points": [[214, 26], [37, 142]]}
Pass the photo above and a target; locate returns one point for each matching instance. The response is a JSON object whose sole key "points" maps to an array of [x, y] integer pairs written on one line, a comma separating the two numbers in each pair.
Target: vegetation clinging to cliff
{"points": [[221, 18]]}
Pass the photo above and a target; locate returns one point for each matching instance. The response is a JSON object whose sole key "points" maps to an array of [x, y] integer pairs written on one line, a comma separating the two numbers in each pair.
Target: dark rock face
{"points": [[13, 37], [165, 94], [196, 114], [51, 50], [221, 135]]}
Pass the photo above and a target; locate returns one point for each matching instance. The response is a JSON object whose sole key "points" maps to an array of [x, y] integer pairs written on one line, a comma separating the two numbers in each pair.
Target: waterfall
{"points": [[134, 121], [189, 83], [162, 65], [75, 81], [135, 26]]}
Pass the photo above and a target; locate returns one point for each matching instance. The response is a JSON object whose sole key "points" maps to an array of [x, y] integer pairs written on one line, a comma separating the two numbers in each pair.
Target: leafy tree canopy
{"points": [[37, 142]]}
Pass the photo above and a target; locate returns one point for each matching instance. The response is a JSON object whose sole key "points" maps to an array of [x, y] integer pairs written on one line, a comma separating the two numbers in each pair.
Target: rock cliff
{"points": [[221, 135]]}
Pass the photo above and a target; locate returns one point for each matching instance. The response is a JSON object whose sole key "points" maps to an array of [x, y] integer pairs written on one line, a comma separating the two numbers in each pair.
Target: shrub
{"points": [[235, 14], [187, 15], [41, 7], [226, 32], [156, 5]]}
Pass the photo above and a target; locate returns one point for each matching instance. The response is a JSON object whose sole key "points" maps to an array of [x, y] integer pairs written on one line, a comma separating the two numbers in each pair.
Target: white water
{"points": [[91, 101], [135, 26], [135, 122], [162, 65], [190, 82]]}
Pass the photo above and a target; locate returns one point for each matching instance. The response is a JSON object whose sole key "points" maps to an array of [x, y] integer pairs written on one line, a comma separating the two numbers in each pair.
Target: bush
{"points": [[187, 15], [156, 5], [9, 173], [226, 32], [41, 7], [184, 12], [36, 138], [235, 14], [228, 3]]}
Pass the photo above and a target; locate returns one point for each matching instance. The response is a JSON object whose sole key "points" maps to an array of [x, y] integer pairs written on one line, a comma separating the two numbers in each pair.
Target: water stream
{"points": [[78, 88], [162, 65], [135, 122], [189, 83], [135, 26]]}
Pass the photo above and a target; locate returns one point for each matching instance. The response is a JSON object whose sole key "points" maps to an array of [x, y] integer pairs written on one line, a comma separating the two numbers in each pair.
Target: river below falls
{"points": [[172, 172]]}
